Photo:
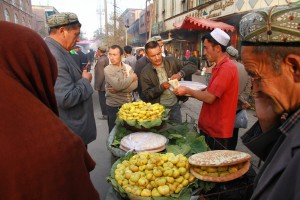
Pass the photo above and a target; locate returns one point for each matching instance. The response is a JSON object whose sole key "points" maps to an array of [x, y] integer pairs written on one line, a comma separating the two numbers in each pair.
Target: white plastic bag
{"points": [[241, 119]]}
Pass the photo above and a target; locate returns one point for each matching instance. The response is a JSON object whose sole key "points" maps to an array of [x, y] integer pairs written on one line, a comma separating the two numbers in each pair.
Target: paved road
{"points": [[102, 156]]}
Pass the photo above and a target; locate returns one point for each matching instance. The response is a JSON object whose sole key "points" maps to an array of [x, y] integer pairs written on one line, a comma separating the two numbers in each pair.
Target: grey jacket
{"points": [[102, 62], [73, 94], [244, 85], [150, 82]]}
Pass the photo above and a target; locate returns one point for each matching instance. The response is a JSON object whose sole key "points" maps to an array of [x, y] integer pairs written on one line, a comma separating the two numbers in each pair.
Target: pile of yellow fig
{"points": [[140, 111], [153, 174]]}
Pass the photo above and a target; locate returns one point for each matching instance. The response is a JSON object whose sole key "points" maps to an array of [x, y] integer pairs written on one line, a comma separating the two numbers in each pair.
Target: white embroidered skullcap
{"points": [[220, 36]]}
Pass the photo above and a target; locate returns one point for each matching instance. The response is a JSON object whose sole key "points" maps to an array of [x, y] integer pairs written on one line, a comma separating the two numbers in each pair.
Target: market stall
{"points": [[175, 147]]}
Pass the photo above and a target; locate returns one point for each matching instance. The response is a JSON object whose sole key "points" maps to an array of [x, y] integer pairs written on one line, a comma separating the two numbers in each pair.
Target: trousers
{"points": [[102, 101]]}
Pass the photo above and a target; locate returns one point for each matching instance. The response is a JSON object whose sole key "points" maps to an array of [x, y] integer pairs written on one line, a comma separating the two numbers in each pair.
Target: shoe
{"points": [[104, 117]]}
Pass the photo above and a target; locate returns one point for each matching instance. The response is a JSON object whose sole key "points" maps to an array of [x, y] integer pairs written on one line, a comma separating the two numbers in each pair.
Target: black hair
{"points": [[128, 49], [212, 40], [117, 47], [151, 45]]}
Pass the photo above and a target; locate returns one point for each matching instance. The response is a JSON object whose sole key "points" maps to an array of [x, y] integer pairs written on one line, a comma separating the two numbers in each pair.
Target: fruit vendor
{"points": [[155, 75], [217, 115]]}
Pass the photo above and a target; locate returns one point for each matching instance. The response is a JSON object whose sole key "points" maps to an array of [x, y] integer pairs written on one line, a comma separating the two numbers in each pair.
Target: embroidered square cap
{"points": [[62, 19], [102, 48], [220, 36], [277, 25], [154, 39], [232, 51]]}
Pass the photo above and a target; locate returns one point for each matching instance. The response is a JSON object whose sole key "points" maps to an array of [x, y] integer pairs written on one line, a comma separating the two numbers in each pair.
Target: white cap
{"points": [[220, 36]]}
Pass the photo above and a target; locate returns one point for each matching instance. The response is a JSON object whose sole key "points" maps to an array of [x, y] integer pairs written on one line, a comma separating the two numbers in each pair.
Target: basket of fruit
{"points": [[152, 175], [142, 116]]}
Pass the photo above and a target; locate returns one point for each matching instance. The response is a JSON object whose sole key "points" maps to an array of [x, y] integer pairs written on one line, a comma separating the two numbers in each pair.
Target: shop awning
{"points": [[195, 23]]}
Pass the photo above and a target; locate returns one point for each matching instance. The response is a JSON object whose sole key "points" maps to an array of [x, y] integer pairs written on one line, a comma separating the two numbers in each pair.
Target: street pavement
{"points": [[102, 156]]}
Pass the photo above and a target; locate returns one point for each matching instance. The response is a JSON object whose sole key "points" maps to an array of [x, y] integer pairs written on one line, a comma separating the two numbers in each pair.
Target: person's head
{"points": [[128, 49], [188, 53], [153, 53], [272, 59], [65, 29], [215, 44], [232, 52], [33, 74], [158, 40], [196, 53], [76, 48], [101, 50], [141, 52], [115, 53]]}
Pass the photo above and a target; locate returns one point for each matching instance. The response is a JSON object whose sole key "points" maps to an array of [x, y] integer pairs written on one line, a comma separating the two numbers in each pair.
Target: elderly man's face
{"points": [[71, 36], [154, 56], [273, 89]]}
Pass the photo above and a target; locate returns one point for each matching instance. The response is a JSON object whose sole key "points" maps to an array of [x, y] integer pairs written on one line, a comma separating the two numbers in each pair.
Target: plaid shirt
{"points": [[290, 122]]}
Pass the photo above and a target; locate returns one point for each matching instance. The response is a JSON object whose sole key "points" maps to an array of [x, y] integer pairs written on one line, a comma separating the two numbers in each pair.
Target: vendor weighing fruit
{"points": [[155, 77], [218, 111]]}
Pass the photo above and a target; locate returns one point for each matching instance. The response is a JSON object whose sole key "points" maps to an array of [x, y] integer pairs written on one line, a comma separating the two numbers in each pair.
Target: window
{"points": [[49, 13], [200, 2], [29, 23], [7, 17], [16, 19], [184, 6], [191, 4], [27, 7], [173, 7], [23, 21], [21, 4]]}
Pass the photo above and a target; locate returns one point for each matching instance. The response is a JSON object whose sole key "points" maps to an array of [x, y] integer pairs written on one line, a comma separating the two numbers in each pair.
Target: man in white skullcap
{"points": [[217, 115]]}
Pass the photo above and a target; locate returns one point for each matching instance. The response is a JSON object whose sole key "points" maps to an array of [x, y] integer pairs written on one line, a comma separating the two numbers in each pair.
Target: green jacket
{"points": [[150, 82]]}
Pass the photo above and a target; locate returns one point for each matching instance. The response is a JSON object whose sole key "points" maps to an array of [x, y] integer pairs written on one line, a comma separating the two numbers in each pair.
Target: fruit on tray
{"points": [[141, 114], [219, 165], [153, 174], [140, 111]]}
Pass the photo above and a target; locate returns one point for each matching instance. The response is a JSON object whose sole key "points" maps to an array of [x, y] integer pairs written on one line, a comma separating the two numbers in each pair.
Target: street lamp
{"points": [[126, 29]]}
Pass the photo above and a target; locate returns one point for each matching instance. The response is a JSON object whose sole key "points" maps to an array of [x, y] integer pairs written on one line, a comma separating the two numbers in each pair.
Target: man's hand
{"points": [[87, 75], [180, 91], [111, 90], [176, 76], [165, 85]]}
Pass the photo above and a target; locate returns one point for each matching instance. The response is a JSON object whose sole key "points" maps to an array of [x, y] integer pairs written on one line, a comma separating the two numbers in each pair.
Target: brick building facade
{"points": [[16, 11]]}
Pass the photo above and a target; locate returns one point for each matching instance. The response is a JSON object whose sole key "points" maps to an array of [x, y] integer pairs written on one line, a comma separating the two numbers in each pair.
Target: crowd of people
{"points": [[48, 115]]}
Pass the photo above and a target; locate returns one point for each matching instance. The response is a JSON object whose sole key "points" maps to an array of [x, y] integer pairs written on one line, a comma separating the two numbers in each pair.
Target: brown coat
{"points": [[41, 159]]}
